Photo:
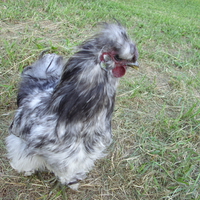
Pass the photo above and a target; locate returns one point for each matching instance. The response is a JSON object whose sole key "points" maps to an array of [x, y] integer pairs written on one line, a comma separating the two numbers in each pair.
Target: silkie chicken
{"points": [[63, 121]]}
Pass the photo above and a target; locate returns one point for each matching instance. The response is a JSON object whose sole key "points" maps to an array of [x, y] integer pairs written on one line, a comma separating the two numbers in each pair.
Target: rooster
{"points": [[63, 121]]}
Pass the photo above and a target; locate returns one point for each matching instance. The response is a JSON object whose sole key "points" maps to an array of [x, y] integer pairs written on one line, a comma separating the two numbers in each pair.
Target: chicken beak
{"points": [[134, 65]]}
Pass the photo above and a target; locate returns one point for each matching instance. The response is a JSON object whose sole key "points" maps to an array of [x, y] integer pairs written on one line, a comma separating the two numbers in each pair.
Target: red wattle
{"points": [[119, 71]]}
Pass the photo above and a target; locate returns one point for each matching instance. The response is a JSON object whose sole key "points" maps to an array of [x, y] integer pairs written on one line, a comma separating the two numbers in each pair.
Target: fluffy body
{"points": [[63, 121]]}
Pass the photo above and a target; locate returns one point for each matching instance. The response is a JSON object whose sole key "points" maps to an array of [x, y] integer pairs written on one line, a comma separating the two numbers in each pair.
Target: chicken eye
{"points": [[117, 58]]}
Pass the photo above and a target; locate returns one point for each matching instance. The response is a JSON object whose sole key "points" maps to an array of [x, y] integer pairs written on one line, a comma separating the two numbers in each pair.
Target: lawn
{"points": [[156, 123]]}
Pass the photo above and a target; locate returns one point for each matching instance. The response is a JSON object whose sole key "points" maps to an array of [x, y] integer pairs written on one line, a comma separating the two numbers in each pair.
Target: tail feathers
{"points": [[41, 76], [48, 65]]}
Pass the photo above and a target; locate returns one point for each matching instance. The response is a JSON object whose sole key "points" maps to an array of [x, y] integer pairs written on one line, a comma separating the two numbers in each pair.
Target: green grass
{"points": [[156, 124]]}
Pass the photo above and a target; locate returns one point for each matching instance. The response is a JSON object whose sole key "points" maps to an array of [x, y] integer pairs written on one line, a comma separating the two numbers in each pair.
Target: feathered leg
{"points": [[20, 157]]}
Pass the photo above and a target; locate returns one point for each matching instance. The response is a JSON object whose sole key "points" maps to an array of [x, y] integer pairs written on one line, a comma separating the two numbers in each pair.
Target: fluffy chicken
{"points": [[63, 121]]}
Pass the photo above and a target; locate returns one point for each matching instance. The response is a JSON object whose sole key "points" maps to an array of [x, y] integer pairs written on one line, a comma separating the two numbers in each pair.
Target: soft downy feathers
{"points": [[63, 121]]}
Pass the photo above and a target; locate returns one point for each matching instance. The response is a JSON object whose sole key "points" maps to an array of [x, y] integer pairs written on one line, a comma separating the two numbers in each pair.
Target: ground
{"points": [[156, 122]]}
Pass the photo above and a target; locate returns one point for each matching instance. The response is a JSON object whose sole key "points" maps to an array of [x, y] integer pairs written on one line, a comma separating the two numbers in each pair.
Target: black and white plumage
{"points": [[63, 121]]}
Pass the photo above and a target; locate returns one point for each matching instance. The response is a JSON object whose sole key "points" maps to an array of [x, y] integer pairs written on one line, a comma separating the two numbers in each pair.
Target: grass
{"points": [[156, 124]]}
